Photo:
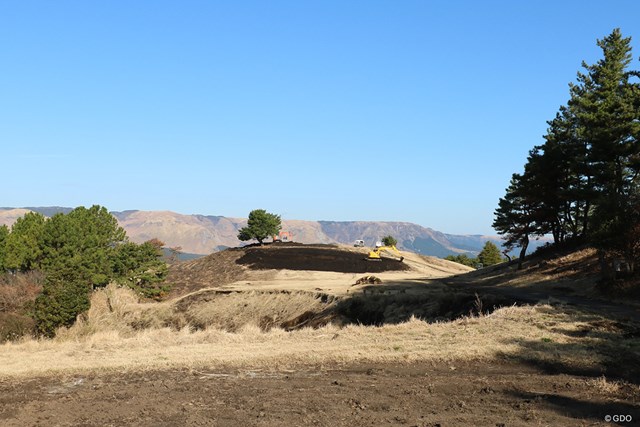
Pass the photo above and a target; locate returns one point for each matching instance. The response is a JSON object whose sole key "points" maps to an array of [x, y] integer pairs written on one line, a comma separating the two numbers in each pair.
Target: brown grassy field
{"points": [[467, 358]]}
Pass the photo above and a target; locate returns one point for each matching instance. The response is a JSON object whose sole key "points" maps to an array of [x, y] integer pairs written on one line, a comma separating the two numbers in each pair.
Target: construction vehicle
{"points": [[374, 255], [359, 243]]}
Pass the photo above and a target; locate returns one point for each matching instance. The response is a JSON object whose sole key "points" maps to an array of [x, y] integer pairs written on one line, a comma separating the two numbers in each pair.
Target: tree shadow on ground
{"points": [[578, 408], [426, 299], [596, 347]]}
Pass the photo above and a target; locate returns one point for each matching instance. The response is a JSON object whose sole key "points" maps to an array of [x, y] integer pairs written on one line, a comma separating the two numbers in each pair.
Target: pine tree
{"points": [[606, 105], [4, 235], [514, 217], [489, 255], [261, 224], [24, 250]]}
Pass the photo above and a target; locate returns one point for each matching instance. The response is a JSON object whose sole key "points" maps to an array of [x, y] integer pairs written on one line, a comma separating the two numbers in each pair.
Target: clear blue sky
{"points": [[413, 111]]}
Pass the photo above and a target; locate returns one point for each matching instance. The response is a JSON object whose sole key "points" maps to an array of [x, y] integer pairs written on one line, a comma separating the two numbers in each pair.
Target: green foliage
{"points": [[584, 181], [489, 255], [463, 259], [4, 235], [77, 252], [23, 245], [87, 238], [389, 241], [261, 224], [64, 296], [514, 218], [141, 268], [608, 110]]}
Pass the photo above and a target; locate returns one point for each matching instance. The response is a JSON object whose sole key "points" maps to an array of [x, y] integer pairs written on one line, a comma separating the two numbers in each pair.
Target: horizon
{"points": [[412, 112], [33, 208]]}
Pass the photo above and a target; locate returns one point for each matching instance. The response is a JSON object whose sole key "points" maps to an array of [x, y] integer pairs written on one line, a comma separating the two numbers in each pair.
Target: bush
{"points": [[17, 295], [18, 291], [463, 259], [64, 296], [141, 268], [389, 240], [14, 326]]}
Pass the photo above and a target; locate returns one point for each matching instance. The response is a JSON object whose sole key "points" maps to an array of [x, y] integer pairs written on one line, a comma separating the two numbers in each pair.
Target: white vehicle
{"points": [[359, 244]]}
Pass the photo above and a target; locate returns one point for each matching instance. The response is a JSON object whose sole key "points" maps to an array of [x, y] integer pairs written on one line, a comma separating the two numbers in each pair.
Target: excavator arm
{"points": [[374, 255]]}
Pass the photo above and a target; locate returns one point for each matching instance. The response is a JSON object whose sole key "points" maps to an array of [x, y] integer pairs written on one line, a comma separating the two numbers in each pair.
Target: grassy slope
{"points": [[109, 340], [120, 333]]}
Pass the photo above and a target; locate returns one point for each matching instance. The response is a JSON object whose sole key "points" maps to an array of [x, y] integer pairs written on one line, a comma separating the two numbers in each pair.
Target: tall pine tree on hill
{"points": [[584, 181]]}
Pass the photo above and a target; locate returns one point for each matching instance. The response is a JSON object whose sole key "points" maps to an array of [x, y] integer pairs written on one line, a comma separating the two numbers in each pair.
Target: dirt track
{"points": [[365, 395]]}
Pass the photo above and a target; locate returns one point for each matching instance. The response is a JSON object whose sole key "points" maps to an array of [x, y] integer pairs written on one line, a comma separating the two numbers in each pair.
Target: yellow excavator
{"points": [[374, 255]]}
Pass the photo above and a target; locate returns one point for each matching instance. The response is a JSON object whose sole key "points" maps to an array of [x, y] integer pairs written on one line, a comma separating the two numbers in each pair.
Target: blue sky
{"points": [[413, 111]]}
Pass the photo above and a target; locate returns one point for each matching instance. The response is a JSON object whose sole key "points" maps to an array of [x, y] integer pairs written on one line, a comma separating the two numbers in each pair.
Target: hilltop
{"points": [[332, 268]]}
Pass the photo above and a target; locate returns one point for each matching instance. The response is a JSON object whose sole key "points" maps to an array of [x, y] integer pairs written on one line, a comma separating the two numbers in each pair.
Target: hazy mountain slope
{"points": [[200, 234], [410, 236], [9, 215], [196, 234]]}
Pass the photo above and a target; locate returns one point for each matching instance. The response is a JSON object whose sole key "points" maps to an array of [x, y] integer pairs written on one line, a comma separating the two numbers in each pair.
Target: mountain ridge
{"points": [[204, 234]]}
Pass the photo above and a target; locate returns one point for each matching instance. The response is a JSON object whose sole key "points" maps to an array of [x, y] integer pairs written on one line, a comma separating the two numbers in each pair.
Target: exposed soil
{"points": [[317, 258], [211, 271], [252, 262], [495, 394]]}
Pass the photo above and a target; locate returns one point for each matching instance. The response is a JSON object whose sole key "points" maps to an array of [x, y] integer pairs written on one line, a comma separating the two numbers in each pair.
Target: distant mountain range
{"points": [[200, 234]]}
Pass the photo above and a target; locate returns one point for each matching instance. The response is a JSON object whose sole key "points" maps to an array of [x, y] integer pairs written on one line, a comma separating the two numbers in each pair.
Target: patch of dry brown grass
{"points": [[101, 343], [605, 386], [234, 310], [16, 290], [17, 293]]}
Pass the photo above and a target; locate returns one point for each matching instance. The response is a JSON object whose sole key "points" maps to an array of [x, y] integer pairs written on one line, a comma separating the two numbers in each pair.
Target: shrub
{"points": [[389, 240], [64, 296], [14, 326]]}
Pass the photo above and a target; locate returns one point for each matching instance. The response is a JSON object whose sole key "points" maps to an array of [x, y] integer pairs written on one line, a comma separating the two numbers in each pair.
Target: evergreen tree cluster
{"points": [[489, 255], [78, 252], [583, 182]]}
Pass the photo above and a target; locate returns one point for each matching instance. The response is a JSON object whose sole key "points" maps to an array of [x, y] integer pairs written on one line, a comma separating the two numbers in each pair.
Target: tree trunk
{"points": [[605, 270], [587, 206], [523, 251]]}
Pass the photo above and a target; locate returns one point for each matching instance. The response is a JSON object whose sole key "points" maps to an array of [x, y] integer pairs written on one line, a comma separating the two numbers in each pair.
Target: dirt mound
{"points": [[316, 258], [211, 271], [232, 310], [257, 262]]}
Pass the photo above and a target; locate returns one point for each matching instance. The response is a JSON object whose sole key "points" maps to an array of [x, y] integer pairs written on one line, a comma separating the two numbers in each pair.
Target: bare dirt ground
{"points": [[362, 395], [553, 364]]}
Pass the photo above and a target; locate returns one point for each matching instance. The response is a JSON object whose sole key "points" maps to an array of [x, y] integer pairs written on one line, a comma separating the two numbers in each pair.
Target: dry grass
{"points": [[234, 310], [574, 273], [107, 339], [17, 293], [605, 386], [18, 290]]}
